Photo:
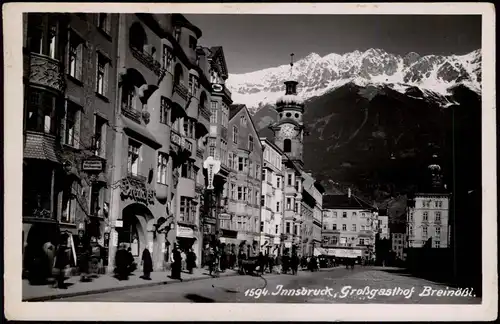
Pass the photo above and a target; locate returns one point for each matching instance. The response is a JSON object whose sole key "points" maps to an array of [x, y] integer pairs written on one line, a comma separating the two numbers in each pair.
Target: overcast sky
{"points": [[255, 42]]}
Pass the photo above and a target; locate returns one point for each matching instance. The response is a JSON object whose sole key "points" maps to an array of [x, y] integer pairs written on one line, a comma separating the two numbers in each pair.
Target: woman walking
{"points": [[147, 264]]}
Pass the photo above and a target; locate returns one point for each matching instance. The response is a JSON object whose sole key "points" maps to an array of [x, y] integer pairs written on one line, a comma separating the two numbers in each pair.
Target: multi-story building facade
{"points": [[312, 201], [398, 244], [244, 184], [383, 227], [217, 147], [289, 136], [428, 219], [161, 123], [348, 227], [272, 198], [69, 83]]}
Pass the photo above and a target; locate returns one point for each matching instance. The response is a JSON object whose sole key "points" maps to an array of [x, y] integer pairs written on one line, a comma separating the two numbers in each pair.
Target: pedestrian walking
{"points": [[122, 263], [177, 264], [183, 260], [271, 263], [294, 262], [190, 260], [61, 261], [147, 264], [131, 265]]}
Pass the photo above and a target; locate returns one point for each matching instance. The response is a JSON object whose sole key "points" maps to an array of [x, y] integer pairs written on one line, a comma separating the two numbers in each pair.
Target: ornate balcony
{"points": [[46, 71], [204, 112], [131, 113], [148, 61], [175, 138], [181, 90]]}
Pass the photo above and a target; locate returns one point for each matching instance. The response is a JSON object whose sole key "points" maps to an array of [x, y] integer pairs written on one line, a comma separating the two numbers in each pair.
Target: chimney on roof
{"points": [[348, 192]]}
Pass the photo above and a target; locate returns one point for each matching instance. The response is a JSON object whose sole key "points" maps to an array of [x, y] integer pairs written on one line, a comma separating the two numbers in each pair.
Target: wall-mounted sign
{"points": [[217, 87], [185, 232], [92, 165], [213, 167], [136, 191], [224, 216]]}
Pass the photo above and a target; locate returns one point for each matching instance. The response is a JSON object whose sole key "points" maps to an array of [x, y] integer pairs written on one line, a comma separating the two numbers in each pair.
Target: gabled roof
{"points": [[343, 201], [235, 109], [271, 143]]}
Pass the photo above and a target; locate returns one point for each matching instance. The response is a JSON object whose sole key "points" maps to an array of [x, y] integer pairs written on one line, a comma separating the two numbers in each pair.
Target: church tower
{"points": [[289, 129]]}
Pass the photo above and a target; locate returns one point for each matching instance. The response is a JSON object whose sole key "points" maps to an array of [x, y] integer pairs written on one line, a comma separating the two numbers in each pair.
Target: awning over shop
{"points": [[319, 251], [344, 253]]}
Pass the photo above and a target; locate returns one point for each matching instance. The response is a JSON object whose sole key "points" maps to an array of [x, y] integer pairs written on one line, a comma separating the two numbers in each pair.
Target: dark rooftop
{"points": [[343, 201]]}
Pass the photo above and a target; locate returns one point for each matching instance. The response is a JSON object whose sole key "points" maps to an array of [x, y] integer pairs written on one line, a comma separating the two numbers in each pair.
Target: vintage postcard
{"points": [[295, 162]]}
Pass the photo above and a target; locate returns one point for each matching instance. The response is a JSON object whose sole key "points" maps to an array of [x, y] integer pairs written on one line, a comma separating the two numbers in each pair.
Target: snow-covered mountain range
{"points": [[434, 75]]}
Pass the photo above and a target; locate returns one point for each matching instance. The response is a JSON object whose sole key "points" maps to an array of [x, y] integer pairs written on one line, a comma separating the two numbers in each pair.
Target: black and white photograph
{"points": [[326, 160]]}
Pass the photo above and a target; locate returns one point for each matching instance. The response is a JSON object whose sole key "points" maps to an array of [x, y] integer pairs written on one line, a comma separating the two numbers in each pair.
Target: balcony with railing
{"points": [[203, 122], [46, 72], [147, 60], [131, 113], [181, 90], [199, 153]]}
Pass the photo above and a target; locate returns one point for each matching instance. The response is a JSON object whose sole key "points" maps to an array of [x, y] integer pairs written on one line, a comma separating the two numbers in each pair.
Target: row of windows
{"points": [[437, 231], [344, 227], [276, 228], [333, 240], [428, 203], [224, 114], [250, 139], [344, 214], [243, 193], [425, 216], [272, 157]]}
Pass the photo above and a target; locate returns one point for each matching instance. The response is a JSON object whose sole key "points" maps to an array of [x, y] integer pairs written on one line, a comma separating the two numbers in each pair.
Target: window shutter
{"points": [[106, 74], [76, 131], [79, 62], [63, 123]]}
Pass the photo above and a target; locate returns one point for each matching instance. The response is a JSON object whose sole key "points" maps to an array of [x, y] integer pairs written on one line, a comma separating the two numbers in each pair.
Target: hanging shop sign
{"points": [[136, 191], [185, 232], [213, 167], [93, 164], [217, 87]]}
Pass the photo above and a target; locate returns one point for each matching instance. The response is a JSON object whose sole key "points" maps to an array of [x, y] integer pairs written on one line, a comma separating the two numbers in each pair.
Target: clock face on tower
{"points": [[288, 131]]}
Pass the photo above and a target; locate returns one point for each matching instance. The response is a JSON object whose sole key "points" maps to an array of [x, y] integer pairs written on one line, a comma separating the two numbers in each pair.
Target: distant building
{"points": [[272, 207], [428, 219], [348, 226], [383, 227], [398, 244], [312, 210]]}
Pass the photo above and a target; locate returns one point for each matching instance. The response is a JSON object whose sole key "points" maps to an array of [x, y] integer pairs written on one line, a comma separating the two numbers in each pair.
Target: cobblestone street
{"points": [[335, 286]]}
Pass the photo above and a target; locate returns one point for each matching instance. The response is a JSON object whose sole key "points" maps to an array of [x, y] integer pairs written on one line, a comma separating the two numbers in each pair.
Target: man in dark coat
{"points": [[295, 263], [147, 264], [177, 264], [190, 260], [122, 263]]}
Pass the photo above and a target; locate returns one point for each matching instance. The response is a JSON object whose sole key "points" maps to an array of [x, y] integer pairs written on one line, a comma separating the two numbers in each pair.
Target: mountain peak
{"points": [[317, 75]]}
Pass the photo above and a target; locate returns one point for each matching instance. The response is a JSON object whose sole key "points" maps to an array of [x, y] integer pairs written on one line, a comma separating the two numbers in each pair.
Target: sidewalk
{"points": [[106, 283]]}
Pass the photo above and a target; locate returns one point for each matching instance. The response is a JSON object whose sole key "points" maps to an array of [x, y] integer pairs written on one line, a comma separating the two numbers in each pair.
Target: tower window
{"points": [[287, 145], [297, 115], [289, 115]]}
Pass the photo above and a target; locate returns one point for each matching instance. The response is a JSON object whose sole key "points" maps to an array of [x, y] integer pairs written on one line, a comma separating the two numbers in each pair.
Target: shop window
{"points": [[161, 176], [41, 112], [71, 124], [100, 136], [133, 157], [102, 74]]}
